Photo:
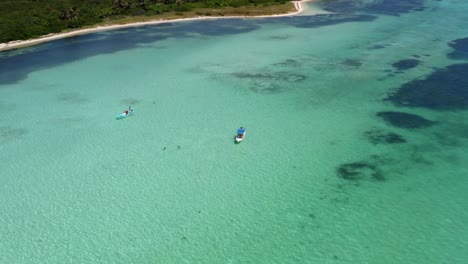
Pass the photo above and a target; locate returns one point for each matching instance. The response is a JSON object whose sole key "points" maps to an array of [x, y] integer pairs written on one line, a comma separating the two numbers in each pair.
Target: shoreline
{"points": [[54, 36]]}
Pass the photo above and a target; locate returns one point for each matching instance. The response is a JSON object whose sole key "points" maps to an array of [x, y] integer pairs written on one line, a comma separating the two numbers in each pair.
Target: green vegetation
{"points": [[25, 19]]}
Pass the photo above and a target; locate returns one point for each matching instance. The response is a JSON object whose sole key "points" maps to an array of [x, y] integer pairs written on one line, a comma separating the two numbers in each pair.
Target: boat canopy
{"points": [[240, 131]]}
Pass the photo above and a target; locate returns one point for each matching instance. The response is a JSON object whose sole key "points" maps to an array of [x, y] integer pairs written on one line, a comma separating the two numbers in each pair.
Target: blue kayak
{"points": [[124, 115]]}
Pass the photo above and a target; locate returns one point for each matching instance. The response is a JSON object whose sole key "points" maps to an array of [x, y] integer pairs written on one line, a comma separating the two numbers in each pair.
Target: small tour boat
{"points": [[240, 135]]}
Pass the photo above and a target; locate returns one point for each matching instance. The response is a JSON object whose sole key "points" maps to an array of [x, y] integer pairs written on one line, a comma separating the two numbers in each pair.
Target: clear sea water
{"points": [[321, 176]]}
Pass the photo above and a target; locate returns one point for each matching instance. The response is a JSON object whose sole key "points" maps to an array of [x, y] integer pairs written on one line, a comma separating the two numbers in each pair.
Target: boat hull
{"points": [[239, 139]]}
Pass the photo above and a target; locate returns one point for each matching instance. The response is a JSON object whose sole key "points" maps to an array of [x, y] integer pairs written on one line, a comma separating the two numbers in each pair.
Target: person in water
{"points": [[128, 111]]}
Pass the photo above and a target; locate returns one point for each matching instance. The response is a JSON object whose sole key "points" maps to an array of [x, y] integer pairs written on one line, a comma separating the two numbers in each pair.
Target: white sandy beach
{"points": [[23, 43]]}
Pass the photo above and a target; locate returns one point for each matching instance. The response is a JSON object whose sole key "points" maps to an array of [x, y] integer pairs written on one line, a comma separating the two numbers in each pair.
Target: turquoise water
{"points": [[314, 181]]}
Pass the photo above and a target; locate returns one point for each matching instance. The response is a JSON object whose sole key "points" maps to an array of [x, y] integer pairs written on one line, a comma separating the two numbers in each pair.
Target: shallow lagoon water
{"points": [[318, 179]]}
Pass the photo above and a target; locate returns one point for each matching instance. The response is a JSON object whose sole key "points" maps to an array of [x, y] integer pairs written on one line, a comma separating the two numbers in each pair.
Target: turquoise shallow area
{"points": [[168, 184]]}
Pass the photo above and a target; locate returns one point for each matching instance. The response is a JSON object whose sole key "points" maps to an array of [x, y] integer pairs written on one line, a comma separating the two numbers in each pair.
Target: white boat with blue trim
{"points": [[240, 134]]}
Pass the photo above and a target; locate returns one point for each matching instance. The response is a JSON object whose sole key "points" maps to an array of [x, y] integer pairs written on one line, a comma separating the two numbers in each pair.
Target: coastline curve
{"points": [[54, 36]]}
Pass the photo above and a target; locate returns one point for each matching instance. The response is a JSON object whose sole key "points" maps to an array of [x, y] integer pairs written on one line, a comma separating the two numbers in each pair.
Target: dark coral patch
{"points": [[268, 82], [331, 19], [376, 46], [405, 64], [6, 107], [279, 37], [17, 65], [319, 20], [359, 171], [8, 134], [276, 76], [381, 137], [269, 89], [288, 63], [344, 11], [394, 8], [341, 6], [130, 101], [352, 63], [215, 28], [405, 120], [445, 89], [387, 7], [460, 47], [72, 98]]}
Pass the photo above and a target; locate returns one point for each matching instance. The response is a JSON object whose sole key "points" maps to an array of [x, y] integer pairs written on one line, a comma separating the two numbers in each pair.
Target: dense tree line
{"points": [[24, 19]]}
